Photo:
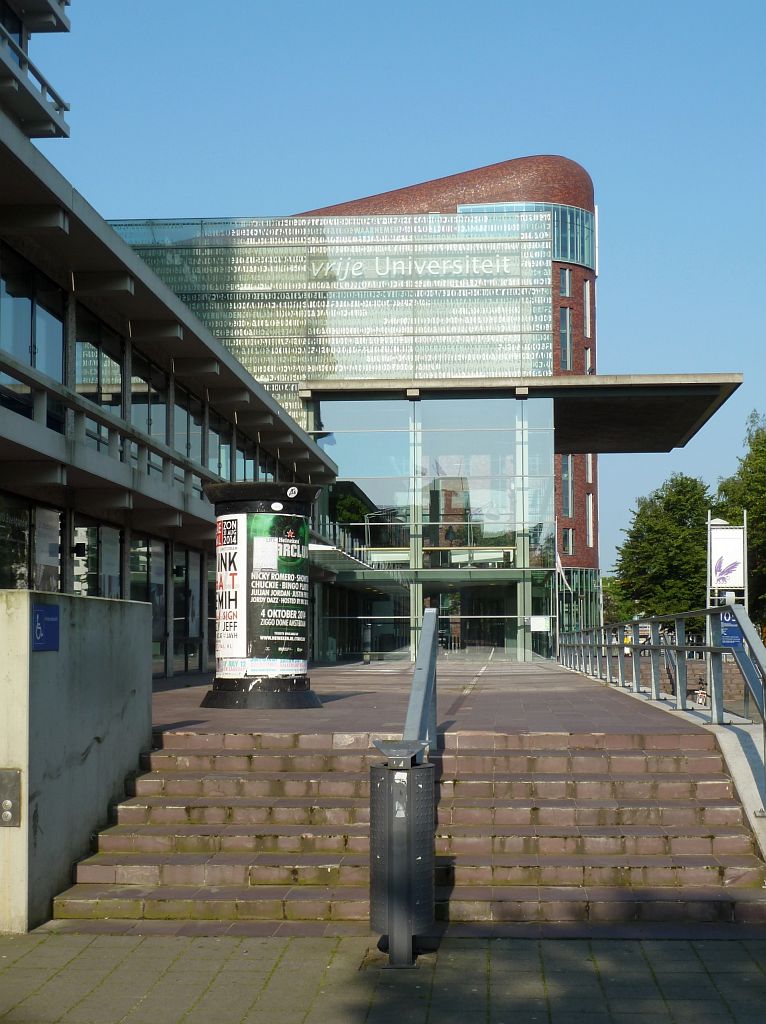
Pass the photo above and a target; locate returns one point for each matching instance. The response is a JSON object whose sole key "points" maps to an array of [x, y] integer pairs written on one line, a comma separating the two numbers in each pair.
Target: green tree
{"points": [[661, 567], [746, 490], [617, 608]]}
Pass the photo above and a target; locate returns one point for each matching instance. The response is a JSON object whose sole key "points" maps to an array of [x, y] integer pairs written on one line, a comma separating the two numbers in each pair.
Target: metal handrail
{"points": [[588, 647], [590, 651], [420, 723], [46, 90], [419, 734]]}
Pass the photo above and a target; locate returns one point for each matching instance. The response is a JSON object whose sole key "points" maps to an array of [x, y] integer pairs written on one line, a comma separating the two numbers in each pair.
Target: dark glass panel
{"points": [[16, 316], [49, 343], [46, 564], [14, 543]]}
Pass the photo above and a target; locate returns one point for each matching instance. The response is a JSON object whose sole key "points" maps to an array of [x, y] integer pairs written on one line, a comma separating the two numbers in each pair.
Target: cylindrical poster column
{"points": [[261, 596]]}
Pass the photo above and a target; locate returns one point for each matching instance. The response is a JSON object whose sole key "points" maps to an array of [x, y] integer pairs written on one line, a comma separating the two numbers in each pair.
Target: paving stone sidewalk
{"points": [[106, 979]]}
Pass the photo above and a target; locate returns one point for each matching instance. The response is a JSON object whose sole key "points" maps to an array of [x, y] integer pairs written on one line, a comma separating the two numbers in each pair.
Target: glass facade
{"points": [[451, 503], [574, 229], [444, 502], [358, 298]]}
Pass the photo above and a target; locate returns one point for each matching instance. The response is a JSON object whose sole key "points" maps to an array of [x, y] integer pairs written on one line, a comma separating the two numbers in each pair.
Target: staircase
{"points": [[532, 828]]}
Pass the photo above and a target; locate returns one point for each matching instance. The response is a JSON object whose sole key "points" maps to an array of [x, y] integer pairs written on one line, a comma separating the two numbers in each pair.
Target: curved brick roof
{"points": [[542, 179]]}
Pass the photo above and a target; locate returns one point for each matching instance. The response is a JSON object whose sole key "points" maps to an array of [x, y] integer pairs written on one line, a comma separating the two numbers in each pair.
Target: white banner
{"points": [[231, 588], [727, 557]]}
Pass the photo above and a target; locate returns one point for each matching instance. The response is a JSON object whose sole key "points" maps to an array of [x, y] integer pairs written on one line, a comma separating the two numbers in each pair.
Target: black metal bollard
{"points": [[401, 849]]}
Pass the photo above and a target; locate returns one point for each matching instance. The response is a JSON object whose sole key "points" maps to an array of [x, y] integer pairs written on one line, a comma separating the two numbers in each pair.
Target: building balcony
{"points": [[25, 94]]}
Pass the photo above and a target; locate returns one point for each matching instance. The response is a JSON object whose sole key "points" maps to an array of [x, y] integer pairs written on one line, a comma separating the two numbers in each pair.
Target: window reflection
{"points": [[31, 315]]}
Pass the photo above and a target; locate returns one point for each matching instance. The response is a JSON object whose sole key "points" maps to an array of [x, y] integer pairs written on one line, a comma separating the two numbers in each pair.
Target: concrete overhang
{"points": [[120, 286], [600, 414]]}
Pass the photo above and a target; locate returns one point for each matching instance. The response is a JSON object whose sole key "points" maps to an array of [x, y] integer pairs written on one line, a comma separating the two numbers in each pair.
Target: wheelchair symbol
{"points": [[39, 632]]}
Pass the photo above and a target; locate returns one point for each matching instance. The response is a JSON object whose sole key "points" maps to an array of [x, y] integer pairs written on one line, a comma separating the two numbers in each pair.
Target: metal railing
{"points": [[118, 439], [665, 639], [402, 815], [56, 105]]}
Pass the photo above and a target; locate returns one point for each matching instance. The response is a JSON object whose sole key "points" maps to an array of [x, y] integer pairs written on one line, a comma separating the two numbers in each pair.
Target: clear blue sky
{"points": [[261, 107]]}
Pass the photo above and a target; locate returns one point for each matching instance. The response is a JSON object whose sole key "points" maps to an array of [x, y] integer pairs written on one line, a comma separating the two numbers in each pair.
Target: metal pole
{"points": [[680, 665], [654, 635], [636, 657], [716, 670]]}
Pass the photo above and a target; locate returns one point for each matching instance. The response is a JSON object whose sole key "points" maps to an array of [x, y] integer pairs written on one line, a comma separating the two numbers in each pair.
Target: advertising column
{"points": [[261, 596]]}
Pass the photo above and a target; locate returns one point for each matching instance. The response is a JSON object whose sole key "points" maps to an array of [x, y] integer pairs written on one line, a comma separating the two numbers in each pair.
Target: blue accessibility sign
{"points": [[731, 634], [45, 627]]}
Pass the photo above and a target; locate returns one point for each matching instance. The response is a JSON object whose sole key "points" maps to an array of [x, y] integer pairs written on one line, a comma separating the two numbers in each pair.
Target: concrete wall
{"points": [[74, 721]]}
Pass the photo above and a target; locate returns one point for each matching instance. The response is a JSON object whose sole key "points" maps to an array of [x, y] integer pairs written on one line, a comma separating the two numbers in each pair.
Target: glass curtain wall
{"points": [[451, 502]]}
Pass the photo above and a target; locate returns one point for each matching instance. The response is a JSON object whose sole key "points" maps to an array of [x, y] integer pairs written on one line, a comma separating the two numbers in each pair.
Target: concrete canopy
{"points": [[599, 414]]}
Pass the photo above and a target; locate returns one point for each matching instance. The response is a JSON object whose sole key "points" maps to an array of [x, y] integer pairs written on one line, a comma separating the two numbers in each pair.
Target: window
{"points": [[148, 412], [98, 371], [588, 361], [589, 520], [565, 337], [565, 282], [187, 428], [267, 466], [31, 316], [586, 308], [567, 540], [567, 485], [219, 446], [588, 469]]}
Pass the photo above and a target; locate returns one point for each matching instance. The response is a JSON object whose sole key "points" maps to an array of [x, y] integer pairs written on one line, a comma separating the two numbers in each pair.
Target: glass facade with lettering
{"points": [[303, 299], [448, 502]]}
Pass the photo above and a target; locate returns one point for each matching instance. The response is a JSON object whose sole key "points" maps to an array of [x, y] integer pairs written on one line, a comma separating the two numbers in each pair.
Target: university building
{"points": [[428, 354], [439, 342]]}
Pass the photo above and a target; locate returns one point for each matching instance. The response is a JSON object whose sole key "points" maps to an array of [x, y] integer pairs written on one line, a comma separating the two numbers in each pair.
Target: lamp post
{"points": [[261, 595]]}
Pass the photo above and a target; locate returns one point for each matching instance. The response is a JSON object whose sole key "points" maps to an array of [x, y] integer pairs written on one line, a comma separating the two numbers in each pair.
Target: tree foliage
{"points": [[661, 566], [617, 606], [746, 491]]}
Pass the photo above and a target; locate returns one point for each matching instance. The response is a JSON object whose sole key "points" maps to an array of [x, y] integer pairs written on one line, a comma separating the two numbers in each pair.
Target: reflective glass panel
{"points": [[16, 317], [49, 343], [46, 567], [14, 543]]}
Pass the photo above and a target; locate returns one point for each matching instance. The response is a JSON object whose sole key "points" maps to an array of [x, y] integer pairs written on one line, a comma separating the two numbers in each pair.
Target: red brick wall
{"points": [[534, 179]]}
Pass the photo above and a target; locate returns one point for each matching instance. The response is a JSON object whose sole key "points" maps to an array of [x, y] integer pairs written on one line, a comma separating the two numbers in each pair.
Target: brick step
{"points": [[184, 739], [224, 903], [448, 764], [562, 811], [287, 783], [565, 762], [233, 761], [234, 838], [500, 904], [452, 839], [451, 802], [347, 870], [600, 904], [568, 812], [211, 811], [694, 739]]}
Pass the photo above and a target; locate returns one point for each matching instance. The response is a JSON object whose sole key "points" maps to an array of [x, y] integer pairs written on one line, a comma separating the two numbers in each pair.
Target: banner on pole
{"points": [[727, 557]]}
